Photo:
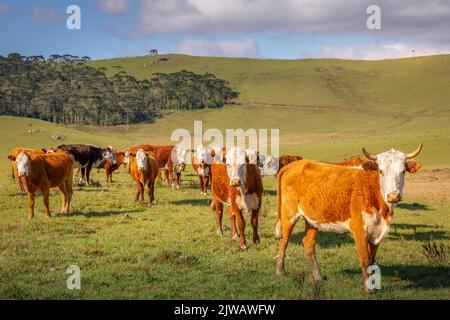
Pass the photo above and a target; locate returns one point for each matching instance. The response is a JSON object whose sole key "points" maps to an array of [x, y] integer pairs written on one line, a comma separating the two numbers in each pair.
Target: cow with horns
{"points": [[341, 199]]}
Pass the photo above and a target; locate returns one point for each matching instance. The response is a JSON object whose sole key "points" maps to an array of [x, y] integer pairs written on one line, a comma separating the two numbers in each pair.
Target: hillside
{"points": [[413, 84]]}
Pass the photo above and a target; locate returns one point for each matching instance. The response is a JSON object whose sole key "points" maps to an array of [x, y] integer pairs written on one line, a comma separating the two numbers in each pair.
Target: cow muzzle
{"points": [[235, 182], [394, 197]]}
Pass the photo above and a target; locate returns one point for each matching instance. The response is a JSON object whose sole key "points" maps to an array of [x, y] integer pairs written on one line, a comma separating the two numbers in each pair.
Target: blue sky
{"points": [[284, 29]]}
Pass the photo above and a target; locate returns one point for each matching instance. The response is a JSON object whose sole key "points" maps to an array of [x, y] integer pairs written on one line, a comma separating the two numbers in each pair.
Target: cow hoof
{"points": [[235, 237], [256, 241], [281, 272], [219, 232], [244, 247]]}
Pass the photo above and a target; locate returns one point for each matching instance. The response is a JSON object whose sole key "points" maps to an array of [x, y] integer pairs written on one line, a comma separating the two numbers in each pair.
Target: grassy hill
{"points": [[413, 84]]}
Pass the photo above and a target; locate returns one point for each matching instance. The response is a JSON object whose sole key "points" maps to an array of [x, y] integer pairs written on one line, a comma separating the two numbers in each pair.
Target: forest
{"points": [[64, 89]]}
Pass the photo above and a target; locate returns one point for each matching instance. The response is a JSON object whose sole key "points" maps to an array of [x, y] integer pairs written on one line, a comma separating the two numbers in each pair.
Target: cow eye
{"points": [[382, 172]]}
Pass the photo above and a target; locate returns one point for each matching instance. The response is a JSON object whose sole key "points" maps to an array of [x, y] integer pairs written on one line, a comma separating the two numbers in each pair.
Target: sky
{"points": [[275, 29]]}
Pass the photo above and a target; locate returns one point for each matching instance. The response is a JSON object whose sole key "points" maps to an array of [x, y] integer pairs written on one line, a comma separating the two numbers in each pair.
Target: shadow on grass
{"points": [[438, 233], [419, 276], [98, 214], [413, 206], [192, 202], [326, 239], [270, 192]]}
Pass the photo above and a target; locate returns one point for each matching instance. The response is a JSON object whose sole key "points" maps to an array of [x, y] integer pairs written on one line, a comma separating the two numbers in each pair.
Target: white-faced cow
{"points": [[341, 199], [238, 184], [40, 172], [202, 159]]}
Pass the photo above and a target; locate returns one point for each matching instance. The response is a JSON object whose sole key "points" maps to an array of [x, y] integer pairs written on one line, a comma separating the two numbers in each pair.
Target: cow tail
{"points": [[278, 214]]}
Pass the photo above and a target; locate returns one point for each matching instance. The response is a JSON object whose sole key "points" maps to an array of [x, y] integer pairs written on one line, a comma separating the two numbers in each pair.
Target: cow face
{"points": [[179, 155], [110, 156], [252, 155], [237, 167], [141, 160], [204, 155], [22, 164], [392, 166]]}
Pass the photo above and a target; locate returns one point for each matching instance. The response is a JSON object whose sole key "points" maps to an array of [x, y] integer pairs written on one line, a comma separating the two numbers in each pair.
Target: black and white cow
{"points": [[86, 157]]}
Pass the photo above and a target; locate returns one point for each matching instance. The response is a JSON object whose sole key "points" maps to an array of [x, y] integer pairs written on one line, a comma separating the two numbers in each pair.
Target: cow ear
{"points": [[11, 157], [132, 154], [370, 165], [412, 166]]}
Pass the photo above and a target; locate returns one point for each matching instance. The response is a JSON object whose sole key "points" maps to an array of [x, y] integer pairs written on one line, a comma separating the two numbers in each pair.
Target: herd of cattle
{"points": [[356, 196]]}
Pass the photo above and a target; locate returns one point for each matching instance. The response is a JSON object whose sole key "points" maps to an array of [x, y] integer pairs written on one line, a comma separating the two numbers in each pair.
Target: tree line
{"points": [[63, 89]]}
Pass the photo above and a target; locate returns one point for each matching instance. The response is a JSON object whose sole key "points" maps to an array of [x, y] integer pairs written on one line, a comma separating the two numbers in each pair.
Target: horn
{"points": [[415, 153], [369, 155]]}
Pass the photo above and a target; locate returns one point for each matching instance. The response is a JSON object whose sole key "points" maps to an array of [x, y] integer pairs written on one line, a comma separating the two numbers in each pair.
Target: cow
{"points": [[166, 156], [112, 160], [277, 164], [86, 156], [341, 199], [178, 158], [202, 159], [12, 158], [239, 185], [143, 169], [40, 172]]}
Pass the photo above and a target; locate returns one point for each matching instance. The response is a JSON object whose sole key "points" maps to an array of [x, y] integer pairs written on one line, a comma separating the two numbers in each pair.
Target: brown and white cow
{"points": [[171, 170], [202, 159], [40, 172], [112, 160], [239, 185], [144, 169], [341, 199]]}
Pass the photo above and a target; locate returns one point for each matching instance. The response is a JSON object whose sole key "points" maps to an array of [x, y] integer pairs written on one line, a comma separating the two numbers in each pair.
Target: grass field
{"points": [[170, 251]]}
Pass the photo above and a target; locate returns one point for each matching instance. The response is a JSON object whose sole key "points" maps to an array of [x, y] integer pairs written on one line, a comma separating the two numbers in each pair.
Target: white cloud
{"points": [[230, 48], [378, 52], [113, 6], [44, 14], [418, 19]]}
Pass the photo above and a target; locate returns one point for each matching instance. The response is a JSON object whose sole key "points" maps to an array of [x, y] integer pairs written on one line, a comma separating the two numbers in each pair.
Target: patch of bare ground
{"points": [[429, 183]]}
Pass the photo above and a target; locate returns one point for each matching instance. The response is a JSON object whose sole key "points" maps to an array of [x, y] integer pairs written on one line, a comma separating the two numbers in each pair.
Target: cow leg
{"points": [[46, 195], [372, 253], [63, 197], [288, 221], [255, 215], [218, 209], [362, 246], [241, 227], [150, 192], [309, 245], [200, 181], [69, 193], [88, 173], [177, 180], [138, 192], [234, 234], [81, 171], [31, 197]]}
